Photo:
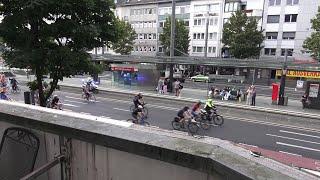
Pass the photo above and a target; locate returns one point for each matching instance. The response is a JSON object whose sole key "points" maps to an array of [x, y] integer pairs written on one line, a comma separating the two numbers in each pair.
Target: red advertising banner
{"points": [[275, 91], [130, 69]]}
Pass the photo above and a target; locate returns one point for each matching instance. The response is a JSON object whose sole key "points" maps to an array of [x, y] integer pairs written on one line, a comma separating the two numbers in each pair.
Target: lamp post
{"points": [[172, 37], [206, 35], [283, 79]]}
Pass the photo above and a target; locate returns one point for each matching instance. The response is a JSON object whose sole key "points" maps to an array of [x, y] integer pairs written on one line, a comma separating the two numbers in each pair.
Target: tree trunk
{"points": [[42, 99]]}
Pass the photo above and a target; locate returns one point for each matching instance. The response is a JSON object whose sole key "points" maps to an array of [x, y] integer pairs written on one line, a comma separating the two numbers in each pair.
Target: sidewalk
{"points": [[261, 101]]}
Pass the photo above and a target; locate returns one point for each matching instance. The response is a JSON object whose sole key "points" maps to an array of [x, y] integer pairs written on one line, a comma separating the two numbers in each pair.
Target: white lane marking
{"points": [[301, 134], [85, 113], [70, 105], [70, 97], [74, 101], [296, 146], [290, 153], [69, 110], [121, 109], [301, 140]]}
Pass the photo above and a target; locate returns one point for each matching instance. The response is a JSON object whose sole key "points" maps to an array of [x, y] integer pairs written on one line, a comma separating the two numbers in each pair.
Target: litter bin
{"points": [[285, 103], [27, 97]]}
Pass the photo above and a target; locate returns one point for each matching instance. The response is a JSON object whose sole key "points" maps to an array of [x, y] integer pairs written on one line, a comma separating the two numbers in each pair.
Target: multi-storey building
{"points": [[287, 24]]}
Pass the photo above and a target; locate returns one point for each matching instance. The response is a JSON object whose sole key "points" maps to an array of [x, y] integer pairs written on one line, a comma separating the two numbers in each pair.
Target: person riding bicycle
{"points": [[184, 115], [86, 90], [196, 108], [55, 103], [138, 114], [209, 107], [138, 101], [14, 84]]}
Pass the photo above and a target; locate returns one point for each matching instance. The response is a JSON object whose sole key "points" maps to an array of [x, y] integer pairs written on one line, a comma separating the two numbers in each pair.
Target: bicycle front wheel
{"points": [[92, 98], [218, 120], [193, 127], [145, 111], [132, 108], [176, 125]]}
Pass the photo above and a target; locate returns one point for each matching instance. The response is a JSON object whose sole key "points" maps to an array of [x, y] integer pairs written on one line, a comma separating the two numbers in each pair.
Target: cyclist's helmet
{"points": [[186, 108], [139, 95]]}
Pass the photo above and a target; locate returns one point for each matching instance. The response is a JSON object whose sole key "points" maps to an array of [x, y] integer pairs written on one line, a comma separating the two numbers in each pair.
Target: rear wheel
{"points": [[145, 111], [205, 124], [175, 125], [92, 98], [131, 108], [193, 127], [218, 120]]}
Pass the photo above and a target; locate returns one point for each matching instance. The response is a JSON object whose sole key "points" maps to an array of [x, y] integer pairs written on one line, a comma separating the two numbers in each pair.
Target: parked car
{"points": [[200, 78]]}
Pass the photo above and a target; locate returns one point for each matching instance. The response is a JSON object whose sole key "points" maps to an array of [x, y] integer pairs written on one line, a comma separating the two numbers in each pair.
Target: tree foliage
{"points": [[126, 38], [53, 37], [181, 40], [312, 43], [242, 37]]}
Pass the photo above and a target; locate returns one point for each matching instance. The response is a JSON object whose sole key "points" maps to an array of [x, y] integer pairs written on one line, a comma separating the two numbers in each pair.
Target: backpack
{"points": [[180, 86]]}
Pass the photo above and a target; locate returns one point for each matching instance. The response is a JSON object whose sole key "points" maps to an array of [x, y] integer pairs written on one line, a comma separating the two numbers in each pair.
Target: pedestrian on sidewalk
{"points": [[254, 94], [249, 96], [160, 86], [177, 87], [305, 100], [165, 86]]}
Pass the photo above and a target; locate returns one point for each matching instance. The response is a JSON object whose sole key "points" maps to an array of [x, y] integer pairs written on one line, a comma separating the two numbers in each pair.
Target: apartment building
{"points": [[287, 24]]}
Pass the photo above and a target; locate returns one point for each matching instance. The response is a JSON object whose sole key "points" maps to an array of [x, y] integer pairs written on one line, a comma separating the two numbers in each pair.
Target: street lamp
{"points": [[172, 37]]}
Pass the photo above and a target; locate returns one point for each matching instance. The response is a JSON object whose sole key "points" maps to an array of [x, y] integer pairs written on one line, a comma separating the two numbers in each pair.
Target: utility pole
{"points": [[206, 36], [283, 79], [172, 37]]}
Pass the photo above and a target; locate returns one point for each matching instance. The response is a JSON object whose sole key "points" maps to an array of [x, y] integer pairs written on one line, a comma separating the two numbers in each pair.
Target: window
{"points": [[160, 49], [198, 36], [231, 7], [272, 35], [290, 52], [154, 36], [290, 18], [199, 49], [186, 23], [182, 10], [161, 24], [145, 36], [140, 36], [195, 23], [202, 35], [210, 35], [270, 51], [213, 49], [194, 36], [292, 2], [215, 34], [211, 22], [273, 18], [132, 12], [209, 49], [215, 21], [288, 35], [274, 2]]}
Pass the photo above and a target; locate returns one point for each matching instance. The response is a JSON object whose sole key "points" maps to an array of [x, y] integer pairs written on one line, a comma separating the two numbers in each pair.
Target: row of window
{"points": [[143, 11], [285, 35], [144, 24], [144, 49], [202, 22], [200, 49], [278, 2], [272, 51], [179, 10], [287, 18], [207, 8], [234, 6], [161, 24], [202, 36], [151, 36]]}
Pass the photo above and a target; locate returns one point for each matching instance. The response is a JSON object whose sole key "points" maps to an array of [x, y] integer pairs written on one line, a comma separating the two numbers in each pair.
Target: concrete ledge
{"points": [[207, 155], [223, 104]]}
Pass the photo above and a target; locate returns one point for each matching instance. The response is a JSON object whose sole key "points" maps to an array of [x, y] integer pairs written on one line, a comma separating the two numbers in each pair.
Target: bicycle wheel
{"points": [[218, 120], [175, 125], [193, 127], [146, 123], [92, 98], [132, 108], [145, 111]]}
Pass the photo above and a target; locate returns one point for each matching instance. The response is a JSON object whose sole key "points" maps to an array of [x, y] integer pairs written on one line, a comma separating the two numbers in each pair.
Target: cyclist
{"points": [[184, 114], [138, 114], [138, 100], [209, 107], [86, 90], [55, 103], [14, 84], [195, 108]]}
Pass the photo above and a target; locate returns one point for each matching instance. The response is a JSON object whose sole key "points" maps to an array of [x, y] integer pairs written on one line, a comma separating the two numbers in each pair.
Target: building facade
{"points": [[286, 25]]}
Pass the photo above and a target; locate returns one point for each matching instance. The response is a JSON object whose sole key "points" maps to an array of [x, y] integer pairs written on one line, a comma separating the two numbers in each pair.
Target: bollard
{"points": [[27, 97]]}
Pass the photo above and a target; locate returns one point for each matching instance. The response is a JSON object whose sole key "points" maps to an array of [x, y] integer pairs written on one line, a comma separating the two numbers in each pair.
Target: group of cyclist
{"points": [[187, 114]]}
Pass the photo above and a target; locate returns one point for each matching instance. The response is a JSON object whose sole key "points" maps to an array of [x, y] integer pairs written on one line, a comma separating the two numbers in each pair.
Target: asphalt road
{"points": [[274, 132]]}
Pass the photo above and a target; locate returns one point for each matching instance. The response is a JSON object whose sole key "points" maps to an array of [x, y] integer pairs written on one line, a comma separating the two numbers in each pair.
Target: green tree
{"points": [[53, 37], [312, 43], [241, 36], [181, 40], [127, 35]]}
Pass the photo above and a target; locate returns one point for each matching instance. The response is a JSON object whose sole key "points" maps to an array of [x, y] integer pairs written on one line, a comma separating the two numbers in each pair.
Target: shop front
{"points": [[300, 77]]}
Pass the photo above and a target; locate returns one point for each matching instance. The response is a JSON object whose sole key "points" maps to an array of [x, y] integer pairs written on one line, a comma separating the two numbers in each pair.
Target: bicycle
{"points": [[138, 121], [90, 98], [145, 110], [189, 125], [16, 90], [206, 121]]}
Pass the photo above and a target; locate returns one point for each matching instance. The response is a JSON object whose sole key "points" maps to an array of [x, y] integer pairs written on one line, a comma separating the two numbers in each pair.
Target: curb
{"points": [[222, 104]]}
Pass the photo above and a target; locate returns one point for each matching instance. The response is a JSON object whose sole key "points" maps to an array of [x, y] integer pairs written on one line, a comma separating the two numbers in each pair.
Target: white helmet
{"points": [[140, 107]]}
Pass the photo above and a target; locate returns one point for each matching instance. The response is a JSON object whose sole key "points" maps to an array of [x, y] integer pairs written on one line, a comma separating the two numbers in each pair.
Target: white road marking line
{"points": [[85, 113], [296, 146], [69, 110], [121, 109], [70, 105], [70, 97], [301, 134], [301, 140], [74, 101], [290, 153]]}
